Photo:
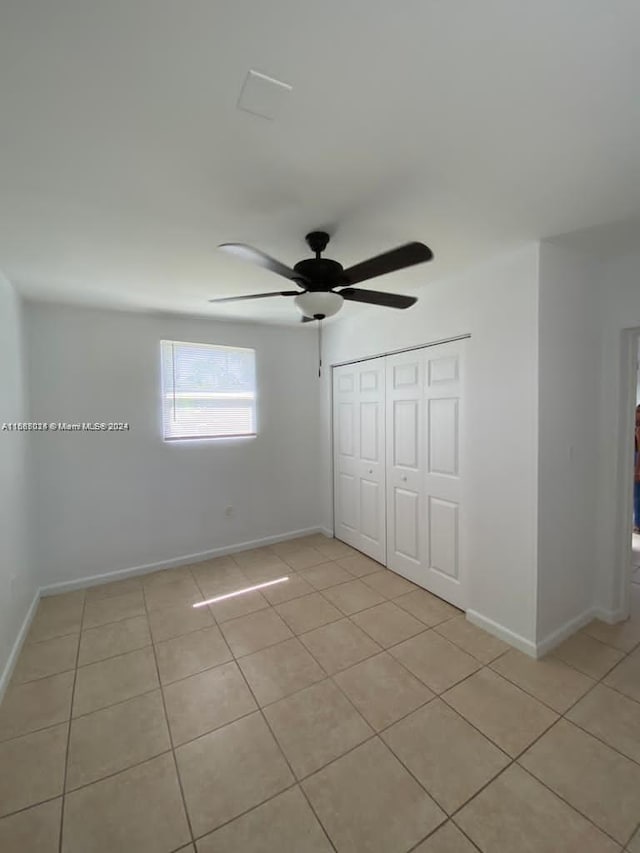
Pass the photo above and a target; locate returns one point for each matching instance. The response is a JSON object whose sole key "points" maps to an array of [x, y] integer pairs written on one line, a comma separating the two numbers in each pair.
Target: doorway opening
{"points": [[628, 539], [635, 536]]}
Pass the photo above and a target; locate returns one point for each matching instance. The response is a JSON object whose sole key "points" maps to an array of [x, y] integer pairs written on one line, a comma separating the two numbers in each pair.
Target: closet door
{"points": [[359, 456], [444, 472], [424, 474], [405, 463]]}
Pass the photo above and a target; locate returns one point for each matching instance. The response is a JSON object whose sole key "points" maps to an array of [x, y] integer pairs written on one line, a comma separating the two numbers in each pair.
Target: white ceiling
{"points": [[467, 125]]}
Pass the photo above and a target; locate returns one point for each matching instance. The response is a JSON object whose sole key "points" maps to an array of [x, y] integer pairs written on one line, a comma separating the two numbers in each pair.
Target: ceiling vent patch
{"points": [[262, 95]]}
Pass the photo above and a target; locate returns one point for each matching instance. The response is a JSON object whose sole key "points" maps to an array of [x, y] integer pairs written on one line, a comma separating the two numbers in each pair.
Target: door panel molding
{"points": [[399, 466], [360, 457]]}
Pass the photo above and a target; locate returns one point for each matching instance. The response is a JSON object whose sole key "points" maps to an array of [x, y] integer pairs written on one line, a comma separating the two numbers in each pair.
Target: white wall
{"points": [[638, 374], [114, 501], [589, 302], [17, 585], [619, 282], [497, 303], [569, 381]]}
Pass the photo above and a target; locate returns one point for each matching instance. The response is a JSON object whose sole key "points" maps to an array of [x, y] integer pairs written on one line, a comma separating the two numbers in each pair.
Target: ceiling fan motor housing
{"points": [[320, 273]]}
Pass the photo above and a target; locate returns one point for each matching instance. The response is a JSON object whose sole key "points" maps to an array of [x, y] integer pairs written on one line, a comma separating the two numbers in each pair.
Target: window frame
{"points": [[168, 382]]}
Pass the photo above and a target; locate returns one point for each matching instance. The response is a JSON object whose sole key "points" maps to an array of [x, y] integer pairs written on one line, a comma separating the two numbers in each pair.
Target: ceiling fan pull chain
{"points": [[319, 348]]}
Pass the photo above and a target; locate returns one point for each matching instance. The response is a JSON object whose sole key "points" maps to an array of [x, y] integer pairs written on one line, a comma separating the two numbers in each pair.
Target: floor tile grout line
{"points": [[415, 779], [216, 728], [114, 773], [569, 805], [384, 647], [326, 677], [293, 597], [462, 649], [298, 633], [562, 715], [84, 629], [173, 751], [259, 710], [115, 657], [282, 752], [115, 704], [597, 681], [120, 654], [186, 634], [344, 668], [393, 601], [31, 643], [585, 632], [244, 813], [428, 631], [510, 762], [633, 835], [32, 806], [41, 678], [297, 636], [420, 708], [397, 660], [437, 829], [483, 665], [380, 650], [537, 698], [102, 625], [70, 723], [331, 676], [619, 692], [590, 675], [468, 837], [38, 730], [571, 722], [516, 761], [247, 654]]}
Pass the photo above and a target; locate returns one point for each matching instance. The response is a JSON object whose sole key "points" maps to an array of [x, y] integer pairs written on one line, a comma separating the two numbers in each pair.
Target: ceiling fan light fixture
{"points": [[319, 302]]}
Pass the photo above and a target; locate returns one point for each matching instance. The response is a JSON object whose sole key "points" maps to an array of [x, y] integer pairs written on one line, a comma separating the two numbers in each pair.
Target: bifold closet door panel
{"points": [[372, 473], [346, 513], [445, 551], [424, 468], [405, 464], [398, 464], [359, 456]]}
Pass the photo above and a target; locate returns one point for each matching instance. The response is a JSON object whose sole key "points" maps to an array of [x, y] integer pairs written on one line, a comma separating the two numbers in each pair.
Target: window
{"points": [[207, 391]]}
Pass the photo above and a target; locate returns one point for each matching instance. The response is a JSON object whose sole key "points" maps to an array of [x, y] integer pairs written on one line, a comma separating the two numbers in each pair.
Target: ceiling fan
{"points": [[324, 284]]}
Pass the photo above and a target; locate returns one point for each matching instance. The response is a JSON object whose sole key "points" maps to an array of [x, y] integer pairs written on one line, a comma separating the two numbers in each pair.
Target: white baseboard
{"points": [[610, 616], [7, 672], [121, 574], [565, 631], [185, 559], [502, 633]]}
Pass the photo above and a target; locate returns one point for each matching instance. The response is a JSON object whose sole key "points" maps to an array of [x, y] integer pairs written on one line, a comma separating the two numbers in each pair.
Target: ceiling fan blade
{"points": [[257, 296], [397, 259], [255, 256], [377, 297], [307, 320]]}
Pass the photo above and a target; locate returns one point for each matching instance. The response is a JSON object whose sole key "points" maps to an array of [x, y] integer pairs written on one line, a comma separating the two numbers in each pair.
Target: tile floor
{"points": [[341, 710]]}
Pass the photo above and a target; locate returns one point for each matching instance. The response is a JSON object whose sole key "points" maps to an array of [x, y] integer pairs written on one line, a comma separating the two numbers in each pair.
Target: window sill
{"points": [[203, 438]]}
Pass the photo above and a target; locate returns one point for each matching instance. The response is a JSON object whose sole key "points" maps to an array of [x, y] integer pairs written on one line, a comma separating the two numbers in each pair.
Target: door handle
{"points": [[371, 470], [404, 478]]}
